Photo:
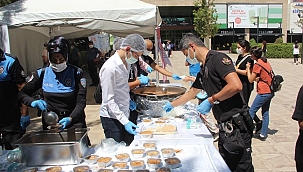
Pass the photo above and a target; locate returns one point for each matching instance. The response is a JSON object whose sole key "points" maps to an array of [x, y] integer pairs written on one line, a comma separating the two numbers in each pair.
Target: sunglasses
{"points": [[52, 46]]}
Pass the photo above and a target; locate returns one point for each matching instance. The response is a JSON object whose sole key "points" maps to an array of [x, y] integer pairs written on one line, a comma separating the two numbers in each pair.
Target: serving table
{"points": [[196, 150]]}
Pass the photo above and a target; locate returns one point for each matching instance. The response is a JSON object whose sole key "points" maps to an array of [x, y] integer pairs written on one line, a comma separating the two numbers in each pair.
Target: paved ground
{"points": [[274, 154]]}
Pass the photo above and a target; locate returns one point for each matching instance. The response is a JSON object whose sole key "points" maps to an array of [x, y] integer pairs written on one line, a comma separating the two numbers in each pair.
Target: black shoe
{"points": [[260, 137], [258, 126]]}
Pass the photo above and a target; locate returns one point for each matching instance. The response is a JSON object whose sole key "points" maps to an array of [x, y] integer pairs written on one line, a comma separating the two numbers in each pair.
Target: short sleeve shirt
{"points": [[211, 79], [92, 53], [265, 78], [242, 66], [298, 114]]}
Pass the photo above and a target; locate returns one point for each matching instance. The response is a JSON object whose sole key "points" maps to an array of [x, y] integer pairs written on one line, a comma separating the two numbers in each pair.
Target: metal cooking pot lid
{"points": [[159, 91]]}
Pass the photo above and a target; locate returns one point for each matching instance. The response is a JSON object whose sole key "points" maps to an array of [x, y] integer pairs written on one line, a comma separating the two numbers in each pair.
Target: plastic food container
{"points": [[105, 170], [152, 154], [153, 162], [138, 153], [163, 169], [31, 170], [149, 145], [91, 159], [54, 169], [160, 122], [146, 134], [104, 161], [82, 168], [137, 164], [167, 152], [119, 165], [173, 163], [122, 157], [147, 121]]}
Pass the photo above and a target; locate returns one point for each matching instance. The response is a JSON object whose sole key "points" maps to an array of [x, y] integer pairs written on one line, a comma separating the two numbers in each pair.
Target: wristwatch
{"points": [[216, 101]]}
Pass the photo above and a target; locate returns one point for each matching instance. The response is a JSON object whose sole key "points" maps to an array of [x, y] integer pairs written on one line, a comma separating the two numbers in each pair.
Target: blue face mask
{"points": [[130, 60], [190, 60]]}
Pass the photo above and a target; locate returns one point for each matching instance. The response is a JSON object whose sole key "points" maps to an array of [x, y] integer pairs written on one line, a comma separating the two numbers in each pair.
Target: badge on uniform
{"points": [[22, 73], [68, 82], [226, 61], [83, 82]]}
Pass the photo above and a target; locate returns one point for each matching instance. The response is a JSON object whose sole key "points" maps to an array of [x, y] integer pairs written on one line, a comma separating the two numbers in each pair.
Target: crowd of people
{"points": [[218, 84]]}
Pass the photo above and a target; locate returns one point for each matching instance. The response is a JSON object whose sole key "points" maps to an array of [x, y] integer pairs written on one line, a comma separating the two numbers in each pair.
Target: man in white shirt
{"points": [[114, 112]]}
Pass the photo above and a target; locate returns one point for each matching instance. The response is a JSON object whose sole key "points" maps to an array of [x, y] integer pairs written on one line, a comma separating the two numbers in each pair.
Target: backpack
{"points": [[276, 80], [98, 94]]}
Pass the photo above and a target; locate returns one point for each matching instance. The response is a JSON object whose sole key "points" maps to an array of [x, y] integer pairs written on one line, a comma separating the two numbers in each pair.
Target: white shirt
{"points": [[296, 50], [115, 90]]}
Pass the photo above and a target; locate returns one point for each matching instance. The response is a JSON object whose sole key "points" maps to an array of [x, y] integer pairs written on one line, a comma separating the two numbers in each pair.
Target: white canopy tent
{"points": [[32, 22]]}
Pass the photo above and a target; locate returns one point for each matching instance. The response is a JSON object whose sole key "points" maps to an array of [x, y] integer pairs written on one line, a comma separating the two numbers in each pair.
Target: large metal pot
{"points": [[151, 99]]}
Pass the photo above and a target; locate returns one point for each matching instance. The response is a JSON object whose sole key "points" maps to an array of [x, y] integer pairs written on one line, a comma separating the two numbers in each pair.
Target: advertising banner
{"points": [[295, 9], [246, 16]]}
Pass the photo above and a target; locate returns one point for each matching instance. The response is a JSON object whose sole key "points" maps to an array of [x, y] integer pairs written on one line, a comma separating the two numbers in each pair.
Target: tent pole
{"points": [[156, 49]]}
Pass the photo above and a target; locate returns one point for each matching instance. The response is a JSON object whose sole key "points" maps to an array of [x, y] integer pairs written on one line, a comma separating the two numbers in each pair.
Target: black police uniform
{"points": [[235, 140], [11, 74], [91, 55], [64, 92], [298, 114]]}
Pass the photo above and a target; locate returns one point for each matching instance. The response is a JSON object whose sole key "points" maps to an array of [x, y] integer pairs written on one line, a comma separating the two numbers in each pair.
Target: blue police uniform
{"points": [[91, 55], [11, 74], [64, 92]]}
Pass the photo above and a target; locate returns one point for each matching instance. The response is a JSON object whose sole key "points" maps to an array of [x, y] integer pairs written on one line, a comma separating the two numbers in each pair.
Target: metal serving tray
{"points": [[49, 148]]}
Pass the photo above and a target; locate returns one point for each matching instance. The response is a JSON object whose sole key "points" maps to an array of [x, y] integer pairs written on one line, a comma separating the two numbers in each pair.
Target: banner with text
{"points": [[246, 16]]}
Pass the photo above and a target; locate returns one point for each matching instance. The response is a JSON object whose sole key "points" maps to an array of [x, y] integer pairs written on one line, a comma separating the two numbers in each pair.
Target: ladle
{"points": [[50, 118]]}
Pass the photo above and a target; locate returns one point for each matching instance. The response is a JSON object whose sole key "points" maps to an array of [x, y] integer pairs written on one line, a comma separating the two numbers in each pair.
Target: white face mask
{"points": [[190, 60], [91, 46], [130, 60], [58, 67], [239, 51]]}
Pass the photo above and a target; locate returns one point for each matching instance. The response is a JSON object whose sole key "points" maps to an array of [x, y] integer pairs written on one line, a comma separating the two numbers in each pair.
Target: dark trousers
{"points": [[92, 69], [114, 129], [10, 134], [240, 160]]}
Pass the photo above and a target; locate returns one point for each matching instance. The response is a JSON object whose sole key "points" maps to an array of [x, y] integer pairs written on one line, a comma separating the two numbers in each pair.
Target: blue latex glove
{"points": [[176, 77], [40, 104], [149, 69], [204, 107], [132, 105], [129, 127], [65, 122], [143, 79], [24, 121], [168, 107]]}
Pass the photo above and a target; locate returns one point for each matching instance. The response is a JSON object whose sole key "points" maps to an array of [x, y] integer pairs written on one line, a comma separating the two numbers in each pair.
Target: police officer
{"points": [[12, 122], [92, 56], [298, 116], [64, 87], [220, 81]]}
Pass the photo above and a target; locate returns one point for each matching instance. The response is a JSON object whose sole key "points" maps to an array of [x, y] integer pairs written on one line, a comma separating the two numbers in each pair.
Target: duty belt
{"points": [[227, 126]]}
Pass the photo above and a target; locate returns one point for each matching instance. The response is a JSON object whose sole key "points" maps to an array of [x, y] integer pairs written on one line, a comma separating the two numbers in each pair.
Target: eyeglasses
{"points": [[52, 46]]}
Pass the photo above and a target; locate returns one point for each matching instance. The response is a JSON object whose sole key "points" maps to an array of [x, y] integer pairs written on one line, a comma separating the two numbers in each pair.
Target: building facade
{"points": [[261, 20]]}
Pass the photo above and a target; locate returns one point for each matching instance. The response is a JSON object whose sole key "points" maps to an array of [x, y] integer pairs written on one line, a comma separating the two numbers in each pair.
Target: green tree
{"points": [[6, 2], [205, 18]]}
